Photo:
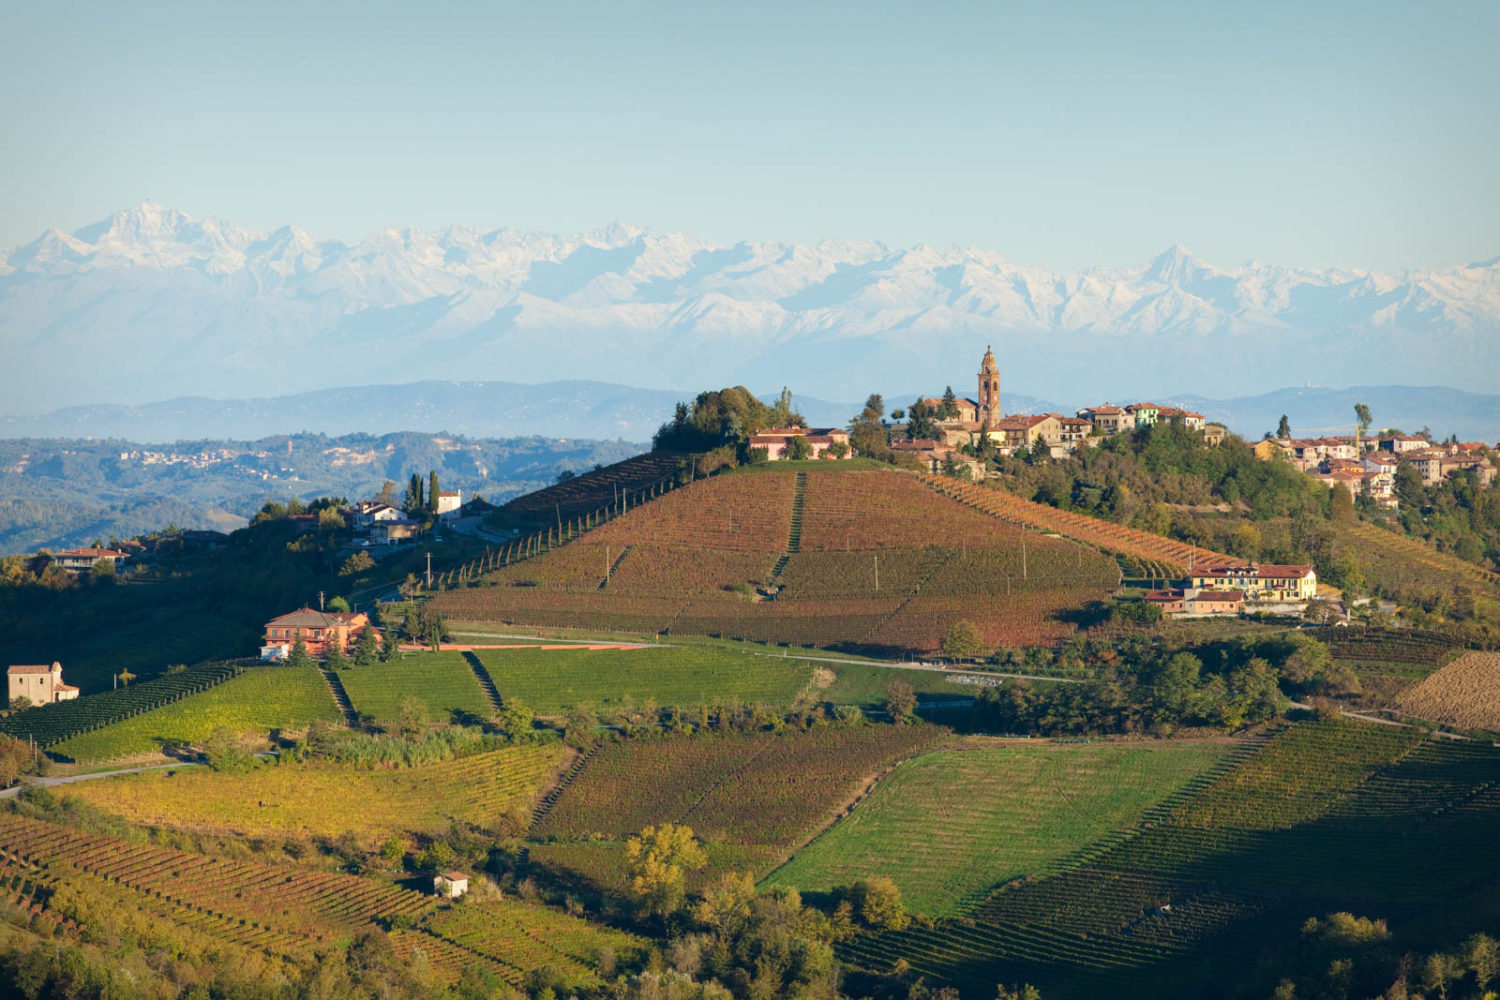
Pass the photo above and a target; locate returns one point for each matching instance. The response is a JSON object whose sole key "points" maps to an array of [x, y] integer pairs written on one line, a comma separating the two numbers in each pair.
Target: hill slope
{"points": [[819, 556]]}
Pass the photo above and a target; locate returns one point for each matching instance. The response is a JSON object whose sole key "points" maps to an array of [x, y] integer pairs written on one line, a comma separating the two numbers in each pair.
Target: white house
{"points": [[450, 885]]}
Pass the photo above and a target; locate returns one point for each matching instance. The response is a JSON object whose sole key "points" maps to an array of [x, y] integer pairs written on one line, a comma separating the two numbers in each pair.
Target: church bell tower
{"points": [[989, 392]]}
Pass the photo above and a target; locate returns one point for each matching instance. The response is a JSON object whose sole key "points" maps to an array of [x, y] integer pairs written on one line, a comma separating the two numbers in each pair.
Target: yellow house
{"points": [[1262, 583], [1267, 449]]}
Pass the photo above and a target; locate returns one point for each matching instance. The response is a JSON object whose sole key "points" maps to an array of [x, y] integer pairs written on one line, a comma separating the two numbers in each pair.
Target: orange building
{"points": [[318, 630]]}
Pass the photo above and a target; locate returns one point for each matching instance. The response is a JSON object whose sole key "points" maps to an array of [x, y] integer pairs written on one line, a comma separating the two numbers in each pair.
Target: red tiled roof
{"points": [[1259, 572], [1218, 595], [34, 668], [96, 553]]}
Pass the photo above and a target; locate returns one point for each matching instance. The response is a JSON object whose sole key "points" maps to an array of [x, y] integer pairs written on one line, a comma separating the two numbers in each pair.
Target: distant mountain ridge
{"points": [[150, 301], [581, 409]]}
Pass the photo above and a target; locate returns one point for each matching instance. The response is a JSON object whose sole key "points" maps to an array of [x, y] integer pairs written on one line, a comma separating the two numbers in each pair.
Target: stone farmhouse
{"points": [[39, 683], [318, 630]]}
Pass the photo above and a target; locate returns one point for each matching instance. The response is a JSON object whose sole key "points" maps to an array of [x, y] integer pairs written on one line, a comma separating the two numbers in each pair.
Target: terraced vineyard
{"points": [[1324, 817], [52, 724], [314, 799], [551, 681], [950, 826], [250, 904], [519, 938], [1163, 553], [444, 682], [257, 700], [621, 483], [873, 561]]}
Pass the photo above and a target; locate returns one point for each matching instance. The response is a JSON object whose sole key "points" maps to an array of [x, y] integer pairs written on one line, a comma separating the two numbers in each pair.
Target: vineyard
{"points": [[867, 560], [1155, 551], [259, 699], [949, 826], [443, 682], [624, 482], [327, 800], [1315, 817], [1465, 693], [750, 796], [255, 905], [51, 724], [551, 681]]}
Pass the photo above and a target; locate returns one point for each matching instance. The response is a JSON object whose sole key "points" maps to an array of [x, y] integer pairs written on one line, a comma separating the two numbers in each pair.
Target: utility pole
{"points": [[429, 570], [606, 565], [877, 571], [320, 600], [1023, 560]]}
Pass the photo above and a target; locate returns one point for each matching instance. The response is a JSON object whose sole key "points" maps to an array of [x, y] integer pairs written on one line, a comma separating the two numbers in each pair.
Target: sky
{"points": [[1058, 134]]}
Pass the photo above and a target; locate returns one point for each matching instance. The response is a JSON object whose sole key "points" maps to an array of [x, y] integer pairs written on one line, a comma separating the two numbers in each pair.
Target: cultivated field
{"points": [[49, 724], [863, 560], [1321, 815], [326, 800], [1465, 693], [950, 826], [551, 681], [523, 937], [258, 700], [444, 682]]}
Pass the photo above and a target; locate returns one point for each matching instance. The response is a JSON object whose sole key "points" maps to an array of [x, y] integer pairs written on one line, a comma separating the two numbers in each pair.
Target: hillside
{"points": [[872, 560]]}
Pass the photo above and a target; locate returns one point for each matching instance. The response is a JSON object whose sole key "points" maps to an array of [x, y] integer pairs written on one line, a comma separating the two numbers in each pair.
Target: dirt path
{"points": [[70, 778]]}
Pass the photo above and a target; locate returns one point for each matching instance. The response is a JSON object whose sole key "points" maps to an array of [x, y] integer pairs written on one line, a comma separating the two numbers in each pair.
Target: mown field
{"points": [[950, 826], [551, 681], [1465, 693], [326, 800], [444, 682], [1323, 817], [862, 560], [258, 700]]}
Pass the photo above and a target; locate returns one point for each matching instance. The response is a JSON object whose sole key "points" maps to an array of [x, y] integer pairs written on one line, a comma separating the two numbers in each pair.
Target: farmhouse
{"points": [[1261, 582], [1215, 602], [86, 558], [318, 630], [450, 885], [449, 502], [822, 442], [40, 684], [392, 532], [1171, 602]]}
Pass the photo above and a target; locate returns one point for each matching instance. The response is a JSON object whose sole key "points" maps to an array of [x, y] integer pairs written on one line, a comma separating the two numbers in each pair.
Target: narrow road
{"points": [[70, 778], [1384, 722]]}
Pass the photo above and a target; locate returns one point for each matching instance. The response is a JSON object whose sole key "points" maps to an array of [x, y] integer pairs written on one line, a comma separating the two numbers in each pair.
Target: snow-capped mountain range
{"points": [[151, 303]]}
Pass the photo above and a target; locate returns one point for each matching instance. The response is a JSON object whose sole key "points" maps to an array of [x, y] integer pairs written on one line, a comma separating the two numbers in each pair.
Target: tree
{"points": [[390, 645], [20, 703], [337, 605], [564, 476], [900, 701], [433, 492], [1340, 504], [102, 571], [411, 716], [783, 414], [357, 563], [1284, 428], [335, 658], [656, 863], [298, 656], [515, 717], [962, 639], [15, 758], [224, 750], [1408, 487], [948, 410], [797, 448], [414, 504], [878, 901], [1362, 420], [726, 903], [578, 728], [366, 647], [387, 494]]}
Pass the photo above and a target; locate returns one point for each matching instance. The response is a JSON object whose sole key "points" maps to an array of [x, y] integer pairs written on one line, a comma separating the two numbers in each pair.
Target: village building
{"points": [[1260, 582], [1399, 444], [935, 456], [1214, 434], [85, 559], [822, 442], [1171, 602], [966, 410], [318, 630], [370, 512], [449, 502], [1269, 448], [1187, 419], [1210, 602], [1143, 414], [39, 684], [450, 885], [1109, 419], [395, 531]]}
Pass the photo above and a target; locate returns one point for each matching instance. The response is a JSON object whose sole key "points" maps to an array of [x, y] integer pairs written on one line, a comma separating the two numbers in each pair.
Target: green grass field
{"points": [[950, 826], [443, 681], [260, 699], [551, 681], [319, 799]]}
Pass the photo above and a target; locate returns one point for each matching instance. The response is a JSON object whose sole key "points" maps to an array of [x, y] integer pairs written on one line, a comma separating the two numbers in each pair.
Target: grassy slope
{"points": [[949, 826], [443, 681], [551, 681], [327, 799], [260, 699]]}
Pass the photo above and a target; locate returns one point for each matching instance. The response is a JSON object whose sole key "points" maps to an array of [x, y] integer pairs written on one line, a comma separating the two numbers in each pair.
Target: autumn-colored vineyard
{"points": [[1134, 544], [1465, 693], [860, 559]]}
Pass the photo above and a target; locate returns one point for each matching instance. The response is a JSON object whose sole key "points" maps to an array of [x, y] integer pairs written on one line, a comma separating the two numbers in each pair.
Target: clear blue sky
{"points": [[1059, 134]]}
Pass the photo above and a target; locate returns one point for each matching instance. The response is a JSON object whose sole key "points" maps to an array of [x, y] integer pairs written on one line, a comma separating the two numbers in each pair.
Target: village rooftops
{"points": [[1263, 572]]}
